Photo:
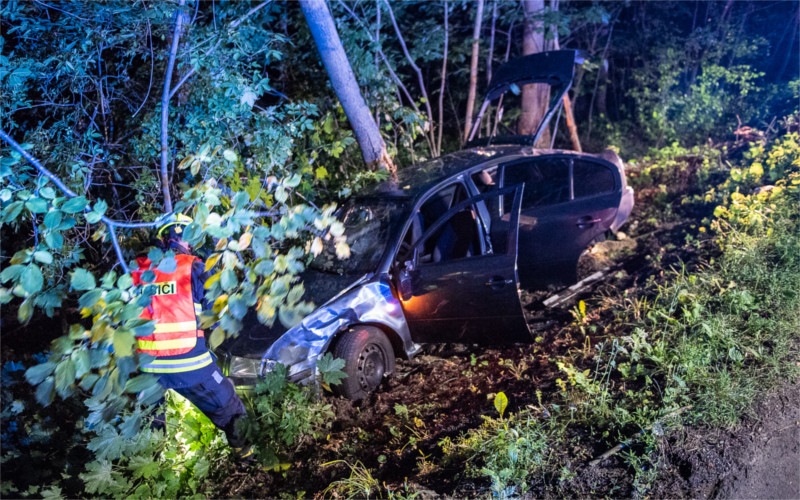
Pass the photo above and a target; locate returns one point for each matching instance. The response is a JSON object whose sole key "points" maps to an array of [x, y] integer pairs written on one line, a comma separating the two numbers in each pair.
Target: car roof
{"points": [[416, 179]]}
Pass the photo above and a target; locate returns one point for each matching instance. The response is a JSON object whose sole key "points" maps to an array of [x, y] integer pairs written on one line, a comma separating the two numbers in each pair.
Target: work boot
{"points": [[245, 455]]}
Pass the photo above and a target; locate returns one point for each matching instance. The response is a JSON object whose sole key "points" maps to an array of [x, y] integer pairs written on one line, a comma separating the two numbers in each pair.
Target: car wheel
{"points": [[368, 356]]}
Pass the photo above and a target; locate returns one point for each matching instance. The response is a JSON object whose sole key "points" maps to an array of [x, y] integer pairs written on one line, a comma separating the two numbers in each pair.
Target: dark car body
{"points": [[438, 254]]}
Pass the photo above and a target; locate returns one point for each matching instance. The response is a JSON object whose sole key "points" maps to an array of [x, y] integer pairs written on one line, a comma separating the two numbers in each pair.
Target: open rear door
{"points": [[555, 68], [464, 283]]}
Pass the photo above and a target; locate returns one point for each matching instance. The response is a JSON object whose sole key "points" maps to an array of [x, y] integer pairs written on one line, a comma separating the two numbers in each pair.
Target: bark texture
{"points": [[331, 51], [534, 97], [473, 69]]}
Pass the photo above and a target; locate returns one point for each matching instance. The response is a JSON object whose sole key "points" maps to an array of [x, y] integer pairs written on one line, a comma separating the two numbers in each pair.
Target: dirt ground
{"points": [[444, 391], [759, 459]]}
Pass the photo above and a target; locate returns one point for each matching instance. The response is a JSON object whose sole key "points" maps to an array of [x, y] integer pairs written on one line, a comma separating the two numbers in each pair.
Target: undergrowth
{"points": [[696, 347]]}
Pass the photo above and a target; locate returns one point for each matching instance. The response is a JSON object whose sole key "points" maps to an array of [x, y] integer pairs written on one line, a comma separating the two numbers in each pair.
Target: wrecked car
{"points": [[438, 253]]}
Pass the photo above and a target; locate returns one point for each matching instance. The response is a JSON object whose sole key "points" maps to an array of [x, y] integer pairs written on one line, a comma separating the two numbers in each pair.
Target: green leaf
{"points": [[47, 192], [237, 305], [228, 280], [52, 493], [293, 181], [81, 279], [216, 338], [101, 478], [143, 466], [125, 281], [12, 272], [90, 298], [88, 381], [167, 265], [53, 218], [12, 211], [54, 240], [107, 281], [44, 393], [140, 383], [74, 205], [25, 311], [81, 359], [36, 205], [229, 155], [500, 403], [331, 369], [37, 373], [43, 256], [65, 376], [31, 279], [123, 342]]}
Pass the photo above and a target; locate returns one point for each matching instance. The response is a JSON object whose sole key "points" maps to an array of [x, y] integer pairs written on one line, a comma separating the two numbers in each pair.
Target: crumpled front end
{"points": [[366, 302]]}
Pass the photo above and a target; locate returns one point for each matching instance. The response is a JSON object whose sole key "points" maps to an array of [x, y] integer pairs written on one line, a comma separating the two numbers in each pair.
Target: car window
{"points": [[546, 181], [438, 204], [590, 178], [456, 239]]}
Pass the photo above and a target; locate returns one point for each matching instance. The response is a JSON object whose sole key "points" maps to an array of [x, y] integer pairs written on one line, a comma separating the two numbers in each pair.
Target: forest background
{"points": [[222, 109]]}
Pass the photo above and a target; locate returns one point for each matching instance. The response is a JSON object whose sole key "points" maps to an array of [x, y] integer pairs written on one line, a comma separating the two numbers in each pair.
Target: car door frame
{"points": [[471, 275]]}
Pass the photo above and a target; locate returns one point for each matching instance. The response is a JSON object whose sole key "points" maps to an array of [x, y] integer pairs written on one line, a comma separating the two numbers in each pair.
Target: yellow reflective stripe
{"points": [[183, 326], [178, 365], [162, 345], [179, 361], [198, 308], [159, 369]]}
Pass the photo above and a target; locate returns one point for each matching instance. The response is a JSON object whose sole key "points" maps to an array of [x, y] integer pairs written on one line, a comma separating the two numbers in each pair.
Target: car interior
{"points": [[457, 238]]}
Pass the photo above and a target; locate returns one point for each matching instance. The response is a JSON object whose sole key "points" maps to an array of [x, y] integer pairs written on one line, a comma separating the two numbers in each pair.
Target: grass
{"points": [[700, 344]]}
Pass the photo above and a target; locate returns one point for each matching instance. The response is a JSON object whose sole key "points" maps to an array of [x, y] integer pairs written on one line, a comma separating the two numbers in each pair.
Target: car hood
{"points": [[255, 338]]}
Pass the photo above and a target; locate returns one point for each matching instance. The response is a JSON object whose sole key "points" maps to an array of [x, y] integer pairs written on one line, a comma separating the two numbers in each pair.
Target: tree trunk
{"points": [[571, 126], [534, 96], [444, 78], [176, 37], [473, 69], [568, 113], [331, 51]]}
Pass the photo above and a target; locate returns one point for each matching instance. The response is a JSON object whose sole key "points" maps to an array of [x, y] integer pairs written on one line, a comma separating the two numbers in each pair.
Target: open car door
{"points": [[463, 278], [555, 68]]}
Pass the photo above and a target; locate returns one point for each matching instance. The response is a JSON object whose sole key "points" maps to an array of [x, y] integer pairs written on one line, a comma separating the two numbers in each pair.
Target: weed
{"points": [[359, 484]]}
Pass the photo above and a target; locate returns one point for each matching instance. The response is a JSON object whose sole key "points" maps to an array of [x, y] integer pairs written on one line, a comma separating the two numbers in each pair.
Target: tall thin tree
{"points": [[534, 96], [333, 56], [473, 68]]}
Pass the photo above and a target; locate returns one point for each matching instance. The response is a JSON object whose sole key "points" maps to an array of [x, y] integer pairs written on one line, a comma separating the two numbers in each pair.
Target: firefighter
{"points": [[182, 361]]}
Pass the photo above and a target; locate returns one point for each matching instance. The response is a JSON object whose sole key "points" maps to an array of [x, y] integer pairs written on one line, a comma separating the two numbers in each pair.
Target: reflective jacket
{"points": [[177, 342]]}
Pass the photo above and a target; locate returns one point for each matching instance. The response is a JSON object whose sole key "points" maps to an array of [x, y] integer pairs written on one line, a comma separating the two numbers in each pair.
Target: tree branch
{"points": [[150, 85], [444, 79], [176, 37], [418, 71], [112, 224]]}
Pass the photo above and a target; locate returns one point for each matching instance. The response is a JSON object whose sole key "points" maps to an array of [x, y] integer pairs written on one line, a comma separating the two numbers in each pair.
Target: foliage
{"points": [[282, 415], [259, 152], [360, 483], [509, 452], [707, 342]]}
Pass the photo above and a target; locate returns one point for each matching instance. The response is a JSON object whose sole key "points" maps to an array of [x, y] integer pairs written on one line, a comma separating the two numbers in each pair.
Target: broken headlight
{"points": [[244, 367], [249, 367]]}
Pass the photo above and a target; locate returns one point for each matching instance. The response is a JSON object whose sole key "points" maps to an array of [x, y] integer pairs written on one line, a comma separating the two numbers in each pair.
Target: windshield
{"points": [[366, 226]]}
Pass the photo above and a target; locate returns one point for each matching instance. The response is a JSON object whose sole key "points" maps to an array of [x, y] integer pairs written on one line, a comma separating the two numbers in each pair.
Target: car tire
{"points": [[368, 357]]}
